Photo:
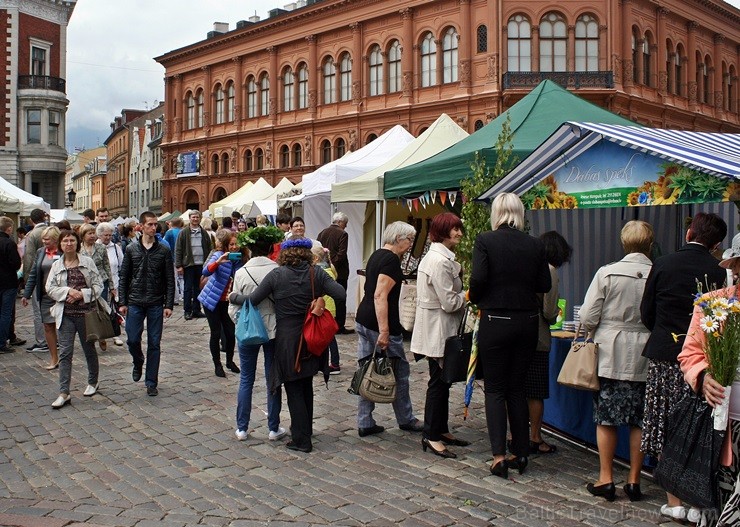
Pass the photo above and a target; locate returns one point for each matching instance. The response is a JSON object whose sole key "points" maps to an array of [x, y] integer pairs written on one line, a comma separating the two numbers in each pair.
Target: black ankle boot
{"points": [[233, 367], [220, 370]]}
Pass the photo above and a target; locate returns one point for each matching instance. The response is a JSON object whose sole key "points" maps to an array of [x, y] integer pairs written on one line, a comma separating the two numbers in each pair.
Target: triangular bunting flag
{"points": [[442, 196], [409, 204], [434, 196], [453, 197], [416, 205]]}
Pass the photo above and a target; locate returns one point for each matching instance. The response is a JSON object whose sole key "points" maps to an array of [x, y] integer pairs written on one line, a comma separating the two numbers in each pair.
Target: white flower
{"points": [[719, 314], [709, 325]]}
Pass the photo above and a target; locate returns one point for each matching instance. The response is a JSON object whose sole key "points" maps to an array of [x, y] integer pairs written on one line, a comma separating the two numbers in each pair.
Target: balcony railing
{"points": [[41, 82], [566, 79]]}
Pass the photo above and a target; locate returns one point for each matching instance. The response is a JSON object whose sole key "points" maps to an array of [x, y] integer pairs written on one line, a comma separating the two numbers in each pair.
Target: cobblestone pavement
{"points": [[121, 458]]}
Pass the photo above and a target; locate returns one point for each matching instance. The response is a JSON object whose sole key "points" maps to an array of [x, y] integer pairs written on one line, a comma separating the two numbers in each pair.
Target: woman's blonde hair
{"points": [[637, 237], [507, 209], [223, 238], [51, 232], [84, 229]]}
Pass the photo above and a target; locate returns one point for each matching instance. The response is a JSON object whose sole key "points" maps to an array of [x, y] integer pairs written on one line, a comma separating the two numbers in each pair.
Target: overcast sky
{"points": [[110, 48]]}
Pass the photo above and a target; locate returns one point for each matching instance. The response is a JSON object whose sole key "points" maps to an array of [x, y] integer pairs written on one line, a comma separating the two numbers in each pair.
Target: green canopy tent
{"points": [[533, 119]]}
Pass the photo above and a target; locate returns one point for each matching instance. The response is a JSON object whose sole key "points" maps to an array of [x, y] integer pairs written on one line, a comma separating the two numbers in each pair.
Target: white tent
{"points": [[18, 201], [317, 210], [269, 204], [57, 215], [241, 200]]}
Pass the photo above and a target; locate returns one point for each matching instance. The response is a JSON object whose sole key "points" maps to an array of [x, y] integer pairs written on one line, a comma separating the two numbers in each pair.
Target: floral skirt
{"points": [[619, 403], [664, 388]]}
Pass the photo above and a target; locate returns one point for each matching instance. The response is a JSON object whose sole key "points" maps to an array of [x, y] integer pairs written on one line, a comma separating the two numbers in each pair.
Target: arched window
{"points": [[288, 85], [248, 162], [376, 71], [284, 156], [259, 159], [265, 94], [481, 37], [669, 69], [224, 163], [330, 81], [302, 86], [635, 56], [191, 111], [449, 56], [251, 97], [230, 105], [646, 60], [553, 43], [371, 138], [478, 125], [220, 96], [325, 151], [214, 164], [428, 61], [340, 147], [519, 36], [587, 43], [732, 90], [199, 109], [705, 81], [678, 72], [297, 155], [345, 77], [394, 67]]}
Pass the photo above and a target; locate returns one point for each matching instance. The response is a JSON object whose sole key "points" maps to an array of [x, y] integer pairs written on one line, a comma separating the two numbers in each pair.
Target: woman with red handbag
{"points": [[294, 286]]}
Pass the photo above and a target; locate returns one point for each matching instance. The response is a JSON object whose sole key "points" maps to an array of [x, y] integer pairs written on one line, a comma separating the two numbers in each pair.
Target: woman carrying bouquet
{"points": [[694, 365]]}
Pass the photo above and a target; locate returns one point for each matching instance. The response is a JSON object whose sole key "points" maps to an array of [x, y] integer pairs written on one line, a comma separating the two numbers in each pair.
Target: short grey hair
{"points": [[507, 209], [396, 231], [339, 217], [103, 227], [191, 212]]}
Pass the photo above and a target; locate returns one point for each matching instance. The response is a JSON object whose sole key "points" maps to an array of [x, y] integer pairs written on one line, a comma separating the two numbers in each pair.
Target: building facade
{"points": [[281, 96], [118, 154], [81, 166], [145, 165], [34, 104]]}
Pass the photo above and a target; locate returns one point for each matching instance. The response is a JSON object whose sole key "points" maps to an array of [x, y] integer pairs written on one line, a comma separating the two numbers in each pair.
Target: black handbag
{"points": [[690, 459], [457, 354], [114, 318]]}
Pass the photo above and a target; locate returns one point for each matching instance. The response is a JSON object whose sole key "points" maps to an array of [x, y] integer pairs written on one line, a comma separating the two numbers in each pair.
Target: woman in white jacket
{"points": [[439, 309], [75, 285], [259, 241]]}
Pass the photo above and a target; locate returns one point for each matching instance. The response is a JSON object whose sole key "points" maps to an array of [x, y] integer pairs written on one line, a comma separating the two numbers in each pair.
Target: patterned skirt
{"points": [[537, 381], [619, 403], [664, 388]]}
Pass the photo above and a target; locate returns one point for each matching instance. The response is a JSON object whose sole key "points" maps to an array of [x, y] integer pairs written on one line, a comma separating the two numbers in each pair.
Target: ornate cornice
{"points": [[58, 12]]}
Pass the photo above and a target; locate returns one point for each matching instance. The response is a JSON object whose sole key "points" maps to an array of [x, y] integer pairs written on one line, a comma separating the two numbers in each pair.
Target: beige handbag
{"points": [[581, 366], [407, 305]]}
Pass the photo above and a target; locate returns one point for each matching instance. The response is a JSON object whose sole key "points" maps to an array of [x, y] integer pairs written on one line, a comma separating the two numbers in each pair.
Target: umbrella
{"points": [[471, 366]]}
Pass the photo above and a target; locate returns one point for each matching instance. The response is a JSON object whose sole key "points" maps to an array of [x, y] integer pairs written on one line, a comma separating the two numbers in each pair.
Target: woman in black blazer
{"points": [[509, 269]]}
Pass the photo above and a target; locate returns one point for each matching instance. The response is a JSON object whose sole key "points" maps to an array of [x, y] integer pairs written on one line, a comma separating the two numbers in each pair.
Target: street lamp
{"points": [[71, 195]]}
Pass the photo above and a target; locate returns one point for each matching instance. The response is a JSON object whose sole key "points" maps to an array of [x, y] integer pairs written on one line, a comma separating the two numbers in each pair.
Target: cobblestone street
{"points": [[121, 458]]}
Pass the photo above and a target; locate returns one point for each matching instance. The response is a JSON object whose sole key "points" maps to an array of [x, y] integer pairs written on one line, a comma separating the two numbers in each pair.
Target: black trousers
{"points": [[341, 317], [222, 330], [506, 342], [437, 406], [300, 404]]}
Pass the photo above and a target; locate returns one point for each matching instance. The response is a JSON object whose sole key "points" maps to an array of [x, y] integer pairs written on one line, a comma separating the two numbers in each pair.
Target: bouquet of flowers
{"points": [[721, 326]]}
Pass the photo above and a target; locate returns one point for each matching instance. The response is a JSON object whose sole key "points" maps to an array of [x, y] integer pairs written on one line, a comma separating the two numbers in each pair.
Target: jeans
{"points": [[7, 305], [248, 359], [437, 406], [507, 341], [192, 274], [222, 329], [154, 316], [70, 327], [402, 405]]}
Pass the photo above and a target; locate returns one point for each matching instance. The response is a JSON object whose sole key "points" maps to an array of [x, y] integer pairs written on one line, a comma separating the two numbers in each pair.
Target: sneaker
{"points": [[152, 391], [274, 436], [693, 515], [38, 348], [334, 370], [677, 513], [241, 435], [17, 342], [117, 341]]}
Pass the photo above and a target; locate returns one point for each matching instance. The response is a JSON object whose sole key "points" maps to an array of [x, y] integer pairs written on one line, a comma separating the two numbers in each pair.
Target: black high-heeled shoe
{"points": [[519, 463], [454, 441], [441, 453], [633, 492], [500, 469], [607, 490]]}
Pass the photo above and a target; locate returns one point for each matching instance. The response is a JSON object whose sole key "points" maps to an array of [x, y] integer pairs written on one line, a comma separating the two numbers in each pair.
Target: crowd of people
{"points": [[639, 310]]}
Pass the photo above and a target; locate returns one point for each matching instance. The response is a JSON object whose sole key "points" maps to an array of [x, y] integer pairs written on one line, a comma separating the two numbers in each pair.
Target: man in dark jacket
{"points": [[191, 251], [336, 239], [33, 244], [147, 290], [10, 263]]}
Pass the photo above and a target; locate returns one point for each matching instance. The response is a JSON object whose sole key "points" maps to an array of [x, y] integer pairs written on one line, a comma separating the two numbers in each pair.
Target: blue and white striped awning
{"points": [[711, 153]]}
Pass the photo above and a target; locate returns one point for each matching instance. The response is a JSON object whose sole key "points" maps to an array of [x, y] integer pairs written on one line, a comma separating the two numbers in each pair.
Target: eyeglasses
{"points": [[69, 241]]}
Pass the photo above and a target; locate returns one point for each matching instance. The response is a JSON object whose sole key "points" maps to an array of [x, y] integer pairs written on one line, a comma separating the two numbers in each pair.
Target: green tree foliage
{"points": [[476, 215]]}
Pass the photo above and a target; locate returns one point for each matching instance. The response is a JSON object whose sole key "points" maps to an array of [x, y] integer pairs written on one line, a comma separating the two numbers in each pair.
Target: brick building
{"points": [[118, 153], [281, 96], [34, 104], [81, 166], [145, 164]]}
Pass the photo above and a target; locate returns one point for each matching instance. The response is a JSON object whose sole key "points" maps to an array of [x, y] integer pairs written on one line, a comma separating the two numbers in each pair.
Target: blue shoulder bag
{"points": [[249, 327]]}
